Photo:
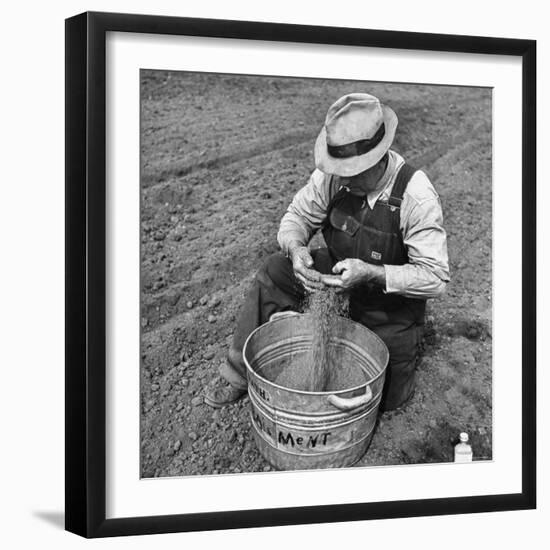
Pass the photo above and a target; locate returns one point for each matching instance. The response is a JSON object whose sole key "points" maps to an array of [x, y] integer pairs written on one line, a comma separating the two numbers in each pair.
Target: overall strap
{"points": [[401, 181]]}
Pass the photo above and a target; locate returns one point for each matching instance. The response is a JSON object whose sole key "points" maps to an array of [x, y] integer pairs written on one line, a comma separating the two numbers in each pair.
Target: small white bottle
{"points": [[463, 451]]}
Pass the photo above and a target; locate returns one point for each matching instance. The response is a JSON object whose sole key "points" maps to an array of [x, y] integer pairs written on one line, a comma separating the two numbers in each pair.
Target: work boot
{"points": [[223, 395]]}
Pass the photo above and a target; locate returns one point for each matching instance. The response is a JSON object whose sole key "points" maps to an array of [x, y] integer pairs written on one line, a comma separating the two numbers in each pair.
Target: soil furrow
{"points": [[184, 169]]}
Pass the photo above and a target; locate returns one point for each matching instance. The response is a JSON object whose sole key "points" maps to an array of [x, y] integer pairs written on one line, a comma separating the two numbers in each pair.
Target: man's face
{"points": [[365, 182]]}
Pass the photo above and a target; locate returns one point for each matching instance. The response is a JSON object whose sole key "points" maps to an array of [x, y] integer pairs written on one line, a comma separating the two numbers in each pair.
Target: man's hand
{"points": [[301, 264], [352, 272]]}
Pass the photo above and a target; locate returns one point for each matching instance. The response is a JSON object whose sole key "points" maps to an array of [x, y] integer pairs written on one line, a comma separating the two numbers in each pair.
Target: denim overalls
{"points": [[354, 230]]}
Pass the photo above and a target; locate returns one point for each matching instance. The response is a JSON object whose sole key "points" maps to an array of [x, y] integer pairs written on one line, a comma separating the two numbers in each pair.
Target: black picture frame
{"points": [[86, 263]]}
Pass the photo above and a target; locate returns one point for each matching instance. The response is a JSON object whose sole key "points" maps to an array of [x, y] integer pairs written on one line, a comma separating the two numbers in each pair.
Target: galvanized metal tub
{"points": [[296, 430]]}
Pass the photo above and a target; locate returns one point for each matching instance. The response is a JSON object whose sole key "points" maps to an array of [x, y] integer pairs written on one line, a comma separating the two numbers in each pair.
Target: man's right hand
{"points": [[301, 264]]}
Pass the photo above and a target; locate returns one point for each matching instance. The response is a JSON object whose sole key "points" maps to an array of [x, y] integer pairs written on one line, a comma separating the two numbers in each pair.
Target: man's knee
{"points": [[278, 268], [399, 384]]}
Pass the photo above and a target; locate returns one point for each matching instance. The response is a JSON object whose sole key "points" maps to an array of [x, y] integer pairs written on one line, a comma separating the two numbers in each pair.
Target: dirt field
{"points": [[222, 157]]}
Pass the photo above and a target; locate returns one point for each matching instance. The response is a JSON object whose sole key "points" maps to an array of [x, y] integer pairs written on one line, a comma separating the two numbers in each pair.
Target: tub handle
{"points": [[349, 403], [282, 314]]}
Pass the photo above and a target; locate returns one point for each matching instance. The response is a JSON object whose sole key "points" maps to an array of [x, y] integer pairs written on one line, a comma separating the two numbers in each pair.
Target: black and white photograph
{"points": [[316, 273], [274, 275]]}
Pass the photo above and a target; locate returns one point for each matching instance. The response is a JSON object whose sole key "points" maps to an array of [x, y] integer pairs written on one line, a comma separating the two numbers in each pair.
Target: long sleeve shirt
{"points": [[421, 224]]}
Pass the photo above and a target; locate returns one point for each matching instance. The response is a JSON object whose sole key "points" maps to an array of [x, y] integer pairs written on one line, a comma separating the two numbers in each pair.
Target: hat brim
{"points": [[352, 166]]}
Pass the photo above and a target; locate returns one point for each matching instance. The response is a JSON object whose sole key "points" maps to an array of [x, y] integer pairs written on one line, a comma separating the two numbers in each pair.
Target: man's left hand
{"points": [[352, 272]]}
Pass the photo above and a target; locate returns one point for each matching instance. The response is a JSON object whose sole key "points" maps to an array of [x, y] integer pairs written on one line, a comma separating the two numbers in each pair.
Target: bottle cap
{"points": [[463, 437]]}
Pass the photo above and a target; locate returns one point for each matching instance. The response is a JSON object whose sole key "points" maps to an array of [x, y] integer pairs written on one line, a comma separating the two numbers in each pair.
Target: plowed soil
{"points": [[222, 157]]}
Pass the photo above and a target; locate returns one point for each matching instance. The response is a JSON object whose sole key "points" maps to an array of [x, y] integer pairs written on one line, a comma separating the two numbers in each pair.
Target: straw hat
{"points": [[358, 131]]}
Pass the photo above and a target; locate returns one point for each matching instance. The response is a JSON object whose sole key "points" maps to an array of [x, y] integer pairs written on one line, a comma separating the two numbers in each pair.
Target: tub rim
{"points": [[250, 370]]}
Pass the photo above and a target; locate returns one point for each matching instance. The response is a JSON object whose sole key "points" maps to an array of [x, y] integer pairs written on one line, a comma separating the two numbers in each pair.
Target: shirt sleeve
{"points": [[427, 273], [306, 212]]}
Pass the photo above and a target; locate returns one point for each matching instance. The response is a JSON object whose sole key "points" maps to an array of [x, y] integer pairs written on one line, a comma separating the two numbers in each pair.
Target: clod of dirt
{"points": [[472, 329], [215, 301]]}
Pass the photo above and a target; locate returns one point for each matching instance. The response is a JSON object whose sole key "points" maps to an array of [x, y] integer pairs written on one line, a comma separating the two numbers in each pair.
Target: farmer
{"points": [[386, 246]]}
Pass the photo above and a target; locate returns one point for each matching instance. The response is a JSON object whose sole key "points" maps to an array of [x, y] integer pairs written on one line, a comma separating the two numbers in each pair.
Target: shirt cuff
{"points": [[395, 279], [286, 238]]}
